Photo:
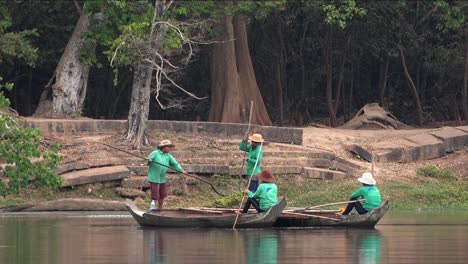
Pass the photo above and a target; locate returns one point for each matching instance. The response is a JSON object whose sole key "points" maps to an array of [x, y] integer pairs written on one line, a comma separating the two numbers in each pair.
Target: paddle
{"points": [[246, 138], [169, 167], [248, 184]]}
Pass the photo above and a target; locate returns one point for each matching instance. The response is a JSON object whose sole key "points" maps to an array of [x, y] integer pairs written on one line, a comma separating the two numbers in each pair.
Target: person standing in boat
{"points": [[266, 195], [255, 151], [368, 192], [157, 173]]}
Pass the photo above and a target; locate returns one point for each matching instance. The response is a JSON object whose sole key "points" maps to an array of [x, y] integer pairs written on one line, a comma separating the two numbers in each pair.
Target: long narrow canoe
{"points": [[189, 218], [327, 219]]}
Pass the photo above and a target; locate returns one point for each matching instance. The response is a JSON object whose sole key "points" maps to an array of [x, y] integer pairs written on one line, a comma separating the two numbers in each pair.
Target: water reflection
{"points": [[366, 246], [45, 239]]}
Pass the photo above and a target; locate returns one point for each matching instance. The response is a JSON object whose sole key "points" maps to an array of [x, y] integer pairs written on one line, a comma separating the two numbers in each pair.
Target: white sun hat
{"points": [[367, 178]]}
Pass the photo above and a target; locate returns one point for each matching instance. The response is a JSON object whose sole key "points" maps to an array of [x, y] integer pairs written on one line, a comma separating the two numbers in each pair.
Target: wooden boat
{"points": [[328, 219], [196, 218]]}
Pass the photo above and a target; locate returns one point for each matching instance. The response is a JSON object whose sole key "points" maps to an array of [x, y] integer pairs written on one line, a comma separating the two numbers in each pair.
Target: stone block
{"points": [[454, 139], [320, 163], [129, 192], [102, 174], [351, 170], [463, 128], [138, 170], [135, 182], [396, 154], [358, 150], [323, 173], [425, 147]]}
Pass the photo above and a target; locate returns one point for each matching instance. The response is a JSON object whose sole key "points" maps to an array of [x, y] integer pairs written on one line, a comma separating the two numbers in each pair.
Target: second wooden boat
{"points": [[327, 219]]}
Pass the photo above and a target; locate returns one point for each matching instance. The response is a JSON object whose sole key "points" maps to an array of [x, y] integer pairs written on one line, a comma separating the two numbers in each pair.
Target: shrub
{"points": [[435, 172]]}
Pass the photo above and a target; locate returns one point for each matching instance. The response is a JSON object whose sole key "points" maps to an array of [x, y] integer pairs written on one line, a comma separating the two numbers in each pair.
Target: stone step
{"points": [[130, 192], [426, 146], [274, 170], [454, 139], [82, 164], [102, 174], [324, 173]]}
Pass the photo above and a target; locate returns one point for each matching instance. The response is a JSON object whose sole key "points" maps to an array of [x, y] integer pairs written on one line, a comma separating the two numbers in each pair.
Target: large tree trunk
{"points": [[141, 87], [71, 78], [139, 106], [465, 79], [233, 78], [412, 86]]}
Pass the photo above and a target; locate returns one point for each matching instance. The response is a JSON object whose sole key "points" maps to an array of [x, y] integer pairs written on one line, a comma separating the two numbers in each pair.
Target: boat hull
{"points": [[181, 219], [368, 220]]}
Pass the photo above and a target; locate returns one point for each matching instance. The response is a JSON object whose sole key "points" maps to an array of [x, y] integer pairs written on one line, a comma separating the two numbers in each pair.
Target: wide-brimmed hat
{"points": [[165, 143], [256, 138], [367, 178], [266, 176]]}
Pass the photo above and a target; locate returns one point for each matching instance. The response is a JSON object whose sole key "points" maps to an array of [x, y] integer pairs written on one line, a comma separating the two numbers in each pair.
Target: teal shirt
{"points": [[253, 153], [156, 172], [267, 195], [371, 195]]}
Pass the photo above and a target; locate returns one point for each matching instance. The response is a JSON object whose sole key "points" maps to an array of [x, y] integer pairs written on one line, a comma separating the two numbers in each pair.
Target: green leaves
{"points": [[26, 160], [341, 12]]}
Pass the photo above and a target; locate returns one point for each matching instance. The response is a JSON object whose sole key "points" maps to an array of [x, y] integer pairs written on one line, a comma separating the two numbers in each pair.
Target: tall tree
{"points": [[65, 97], [233, 78]]}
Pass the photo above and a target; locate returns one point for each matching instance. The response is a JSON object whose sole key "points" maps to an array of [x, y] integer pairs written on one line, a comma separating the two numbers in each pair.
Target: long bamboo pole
{"points": [[169, 167], [246, 139], [322, 205], [248, 184]]}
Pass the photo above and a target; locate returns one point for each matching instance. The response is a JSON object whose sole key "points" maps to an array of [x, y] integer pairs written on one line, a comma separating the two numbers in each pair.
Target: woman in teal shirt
{"points": [[266, 195], [368, 192]]}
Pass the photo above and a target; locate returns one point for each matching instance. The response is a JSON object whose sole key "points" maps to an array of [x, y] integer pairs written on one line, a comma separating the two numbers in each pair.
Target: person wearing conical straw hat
{"points": [[255, 151], [368, 192], [266, 195], [157, 173]]}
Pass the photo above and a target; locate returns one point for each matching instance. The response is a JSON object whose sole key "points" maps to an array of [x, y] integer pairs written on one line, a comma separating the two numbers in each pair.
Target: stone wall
{"points": [[270, 133]]}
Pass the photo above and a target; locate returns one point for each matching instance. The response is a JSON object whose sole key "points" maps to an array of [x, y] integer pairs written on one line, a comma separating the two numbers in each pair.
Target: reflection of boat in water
{"points": [[317, 219], [187, 218]]}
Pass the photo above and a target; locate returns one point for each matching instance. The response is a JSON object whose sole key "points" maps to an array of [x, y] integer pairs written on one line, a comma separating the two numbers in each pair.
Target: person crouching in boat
{"points": [[266, 195], [368, 192], [255, 151], [157, 172]]}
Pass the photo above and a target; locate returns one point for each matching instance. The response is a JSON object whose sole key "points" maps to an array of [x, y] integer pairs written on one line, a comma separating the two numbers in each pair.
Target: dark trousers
{"points": [[253, 186], [357, 205], [251, 202]]}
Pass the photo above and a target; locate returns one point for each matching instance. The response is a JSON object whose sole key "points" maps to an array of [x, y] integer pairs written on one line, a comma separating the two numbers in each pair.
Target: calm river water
{"points": [[401, 237]]}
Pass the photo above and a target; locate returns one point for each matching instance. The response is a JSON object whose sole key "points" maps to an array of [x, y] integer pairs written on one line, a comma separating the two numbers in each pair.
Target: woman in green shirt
{"points": [[255, 152], [368, 192], [266, 195]]}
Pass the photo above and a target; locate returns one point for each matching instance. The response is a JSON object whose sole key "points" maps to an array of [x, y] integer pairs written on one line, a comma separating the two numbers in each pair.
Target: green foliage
{"points": [[340, 12], [435, 172], [15, 44], [453, 15], [23, 154], [229, 201]]}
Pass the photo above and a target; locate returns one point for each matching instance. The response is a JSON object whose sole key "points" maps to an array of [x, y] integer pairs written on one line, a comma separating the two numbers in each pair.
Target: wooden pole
{"points": [[246, 139], [248, 184], [322, 205]]}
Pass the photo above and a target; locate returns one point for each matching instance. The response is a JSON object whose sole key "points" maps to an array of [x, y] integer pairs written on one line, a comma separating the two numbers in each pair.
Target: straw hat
{"points": [[165, 143], [256, 138], [367, 178], [266, 176]]}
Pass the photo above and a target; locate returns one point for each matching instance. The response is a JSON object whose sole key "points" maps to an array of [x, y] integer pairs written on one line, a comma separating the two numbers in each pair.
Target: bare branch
{"points": [[78, 8]]}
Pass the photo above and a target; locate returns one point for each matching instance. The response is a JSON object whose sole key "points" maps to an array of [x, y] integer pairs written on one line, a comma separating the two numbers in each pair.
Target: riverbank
{"points": [[428, 193]]}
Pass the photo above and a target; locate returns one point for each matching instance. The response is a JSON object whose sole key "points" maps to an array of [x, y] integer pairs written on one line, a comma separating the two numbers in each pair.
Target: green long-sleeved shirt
{"points": [[267, 195], [371, 196], [253, 153], [156, 172]]}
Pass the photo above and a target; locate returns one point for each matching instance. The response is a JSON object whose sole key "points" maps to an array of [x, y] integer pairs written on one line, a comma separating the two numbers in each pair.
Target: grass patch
{"points": [[437, 173]]}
